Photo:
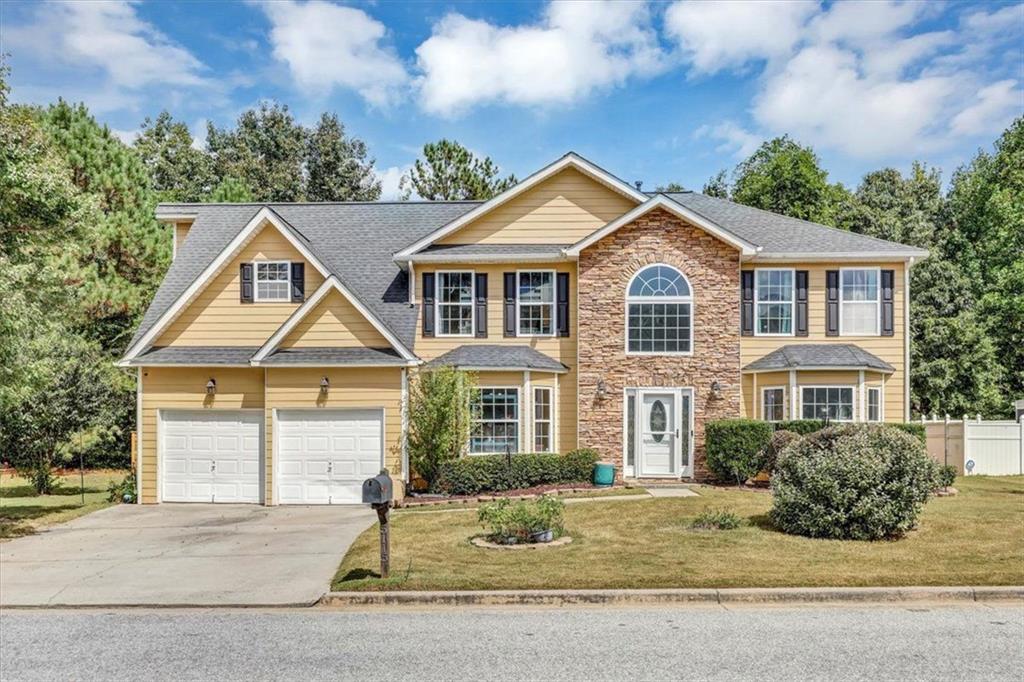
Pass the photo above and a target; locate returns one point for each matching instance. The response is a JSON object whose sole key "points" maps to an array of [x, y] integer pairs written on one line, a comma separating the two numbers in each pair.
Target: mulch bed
{"points": [[518, 494]]}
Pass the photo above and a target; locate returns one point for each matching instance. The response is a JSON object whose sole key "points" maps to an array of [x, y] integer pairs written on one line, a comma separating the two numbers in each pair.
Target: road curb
{"points": [[773, 595]]}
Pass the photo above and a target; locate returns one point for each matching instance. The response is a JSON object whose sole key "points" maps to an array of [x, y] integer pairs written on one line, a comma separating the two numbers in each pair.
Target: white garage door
{"points": [[325, 455], [211, 455]]}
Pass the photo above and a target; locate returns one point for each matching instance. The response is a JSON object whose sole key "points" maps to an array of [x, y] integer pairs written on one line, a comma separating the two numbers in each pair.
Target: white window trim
{"points": [[437, 303], [256, 281], [878, 301], [867, 404], [853, 400], [550, 421], [764, 402], [792, 301], [519, 420], [659, 299], [554, 305]]}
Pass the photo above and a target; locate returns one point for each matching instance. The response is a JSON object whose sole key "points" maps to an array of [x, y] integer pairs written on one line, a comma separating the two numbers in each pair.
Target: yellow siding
{"points": [[888, 348], [354, 387], [217, 318], [335, 322], [563, 209], [751, 389], [559, 348], [185, 388]]}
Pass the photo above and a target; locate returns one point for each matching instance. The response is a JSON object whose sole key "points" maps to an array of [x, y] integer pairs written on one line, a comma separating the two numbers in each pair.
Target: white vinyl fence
{"points": [[976, 447]]}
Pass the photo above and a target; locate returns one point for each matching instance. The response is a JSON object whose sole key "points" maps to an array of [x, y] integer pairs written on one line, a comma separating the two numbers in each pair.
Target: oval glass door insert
{"points": [[659, 420]]}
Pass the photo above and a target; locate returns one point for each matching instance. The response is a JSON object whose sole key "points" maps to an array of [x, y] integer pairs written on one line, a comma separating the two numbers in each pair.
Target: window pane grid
{"points": [[455, 303], [495, 421], [831, 402], [774, 301], [874, 405], [273, 281], [859, 302], [774, 404], [659, 327], [536, 303], [542, 420]]}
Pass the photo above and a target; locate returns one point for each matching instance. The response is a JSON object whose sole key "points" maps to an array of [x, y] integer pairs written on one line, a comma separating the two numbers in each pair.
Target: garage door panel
{"points": [[211, 456]]}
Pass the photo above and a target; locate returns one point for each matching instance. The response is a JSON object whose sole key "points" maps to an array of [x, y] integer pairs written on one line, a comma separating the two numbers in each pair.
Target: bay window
{"points": [[827, 402], [495, 421], [542, 435], [773, 404], [874, 405]]}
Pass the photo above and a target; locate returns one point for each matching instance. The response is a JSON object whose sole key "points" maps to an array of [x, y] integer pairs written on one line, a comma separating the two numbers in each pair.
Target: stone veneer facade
{"points": [[605, 268]]}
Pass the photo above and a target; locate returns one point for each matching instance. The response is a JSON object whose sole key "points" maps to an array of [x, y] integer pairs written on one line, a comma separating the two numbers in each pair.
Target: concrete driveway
{"points": [[182, 555]]}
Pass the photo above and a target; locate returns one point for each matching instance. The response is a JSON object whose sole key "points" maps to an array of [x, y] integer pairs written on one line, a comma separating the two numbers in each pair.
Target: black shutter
{"points": [[747, 302], [298, 282], [562, 301], [801, 302], [481, 306], [888, 294], [510, 304], [245, 274], [831, 303], [427, 299]]}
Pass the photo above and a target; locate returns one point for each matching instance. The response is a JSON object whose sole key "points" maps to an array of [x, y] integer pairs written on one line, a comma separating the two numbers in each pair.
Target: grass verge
{"points": [[973, 538], [22, 512]]}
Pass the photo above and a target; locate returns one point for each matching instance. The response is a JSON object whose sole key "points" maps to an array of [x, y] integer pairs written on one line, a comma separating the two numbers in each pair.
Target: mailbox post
{"points": [[378, 493]]}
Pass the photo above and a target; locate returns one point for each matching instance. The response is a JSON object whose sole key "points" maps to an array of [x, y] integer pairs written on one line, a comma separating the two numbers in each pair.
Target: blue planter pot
{"points": [[604, 474]]}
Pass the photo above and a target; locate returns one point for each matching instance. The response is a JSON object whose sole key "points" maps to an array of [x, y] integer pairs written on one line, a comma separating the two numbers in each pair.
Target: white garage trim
{"points": [[161, 430], [341, 412]]}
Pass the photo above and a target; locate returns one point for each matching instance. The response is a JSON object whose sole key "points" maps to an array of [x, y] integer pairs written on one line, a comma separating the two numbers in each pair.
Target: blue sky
{"points": [[653, 92]]}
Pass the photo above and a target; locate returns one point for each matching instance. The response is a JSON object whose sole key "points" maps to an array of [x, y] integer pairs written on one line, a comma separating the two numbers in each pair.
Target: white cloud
{"points": [[327, 46], [199, 134], [389, 179], [126, 136], [736, 140], [994, 106], [575, 49], [725, 34], [108, 36]]}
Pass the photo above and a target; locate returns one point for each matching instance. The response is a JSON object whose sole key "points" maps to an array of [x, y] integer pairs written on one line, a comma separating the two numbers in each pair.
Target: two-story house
{"points": [[274, 362]]}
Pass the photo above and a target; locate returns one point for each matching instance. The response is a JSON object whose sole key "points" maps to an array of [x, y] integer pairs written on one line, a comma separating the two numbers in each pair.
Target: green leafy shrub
{"points": [[494, 473], [518, 521], [800, 426], [853, 482], [123, 490], [734, 447], [914, 429], [439, 419], [716, 519], [946, 476], [780, 440]]}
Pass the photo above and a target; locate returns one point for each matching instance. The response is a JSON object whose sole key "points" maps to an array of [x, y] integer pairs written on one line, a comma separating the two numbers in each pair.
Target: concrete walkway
{"points": [[182, 555]]}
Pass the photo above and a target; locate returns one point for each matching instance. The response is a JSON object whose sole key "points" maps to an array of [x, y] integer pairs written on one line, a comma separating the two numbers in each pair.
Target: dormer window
{"points": [[273, 281]]}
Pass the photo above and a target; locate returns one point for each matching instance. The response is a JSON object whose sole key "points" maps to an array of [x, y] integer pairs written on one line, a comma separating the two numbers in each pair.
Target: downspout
{"points": [[138, 436], [906, 340]]}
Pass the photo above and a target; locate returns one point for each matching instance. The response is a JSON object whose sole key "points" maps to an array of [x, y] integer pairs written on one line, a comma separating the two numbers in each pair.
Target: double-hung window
{"points": [[773, 404], [659, 312], [773, 293], [455, 303], [859, 302], [495, 421], [827, 402], [273, 281], [874, 404], [535, 302], [542, 440]]}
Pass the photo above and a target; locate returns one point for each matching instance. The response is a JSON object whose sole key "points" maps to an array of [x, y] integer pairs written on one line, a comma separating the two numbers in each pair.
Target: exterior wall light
{"points": [[716, 389], [602, 389], [325, 385], [211, 386]]}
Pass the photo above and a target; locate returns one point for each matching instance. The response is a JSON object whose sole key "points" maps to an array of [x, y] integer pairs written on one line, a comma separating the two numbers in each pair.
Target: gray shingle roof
{"points": [[197, 355], [334, 356], [447, 252], [778, 234], [354, 240], [824, 355], [494, 356]]}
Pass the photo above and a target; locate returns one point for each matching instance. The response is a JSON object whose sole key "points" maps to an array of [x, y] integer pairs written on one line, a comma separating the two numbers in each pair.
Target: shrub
{"points": [[494, 473], [800, 426], [123, 490], [915, 430], [779, 441], [716, 519], [734, 447], [945, 476], [507, 520], [439, 419], [855, 482]]}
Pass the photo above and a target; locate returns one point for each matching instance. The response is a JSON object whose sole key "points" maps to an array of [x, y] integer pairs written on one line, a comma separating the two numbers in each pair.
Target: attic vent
{"points": [[639, 184]]}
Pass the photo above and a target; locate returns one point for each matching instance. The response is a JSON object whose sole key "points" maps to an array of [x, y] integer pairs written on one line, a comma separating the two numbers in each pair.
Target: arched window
{"points": [[659, 312]]}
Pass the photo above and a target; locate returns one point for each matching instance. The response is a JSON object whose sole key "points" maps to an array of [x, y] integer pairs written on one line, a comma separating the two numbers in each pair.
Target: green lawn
{"points": [[22, 511], [974, 538]]}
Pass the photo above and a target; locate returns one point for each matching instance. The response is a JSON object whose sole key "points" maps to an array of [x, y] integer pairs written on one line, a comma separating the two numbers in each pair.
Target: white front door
{"points": [[210, 455], [325, 455], [658, 433]]}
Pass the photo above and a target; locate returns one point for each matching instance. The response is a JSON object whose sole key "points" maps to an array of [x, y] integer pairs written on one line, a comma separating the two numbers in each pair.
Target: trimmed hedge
{"points": [[806, 426], [734, 447], [852, 482], [476, 474], [780, 441]]}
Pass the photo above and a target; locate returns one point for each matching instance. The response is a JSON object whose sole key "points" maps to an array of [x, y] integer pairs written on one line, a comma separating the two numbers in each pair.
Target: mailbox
{"points": [[378, 490]]}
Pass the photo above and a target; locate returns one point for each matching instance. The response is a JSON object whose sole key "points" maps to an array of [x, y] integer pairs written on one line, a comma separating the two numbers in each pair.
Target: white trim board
{"points": [[265, 216], [331, 283], [570, 160], [661, 201]]}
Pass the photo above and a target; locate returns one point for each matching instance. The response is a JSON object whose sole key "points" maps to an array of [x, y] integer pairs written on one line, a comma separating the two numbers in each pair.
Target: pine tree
{"points": [[449, 171], [177, 170], [230, 190], [337, 166]]}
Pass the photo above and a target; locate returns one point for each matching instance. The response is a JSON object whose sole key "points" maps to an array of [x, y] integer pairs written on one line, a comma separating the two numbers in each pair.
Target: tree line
{"points": [[82, 254]]}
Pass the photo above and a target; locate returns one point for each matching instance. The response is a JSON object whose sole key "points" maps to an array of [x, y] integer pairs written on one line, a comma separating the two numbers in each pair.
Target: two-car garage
{"points": [[321, 455]]}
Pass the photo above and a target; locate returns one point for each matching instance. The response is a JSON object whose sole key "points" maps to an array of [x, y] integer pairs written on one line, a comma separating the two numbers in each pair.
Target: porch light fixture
{"points": [[602, 390], [716, 389], [211, 386], [325, 385]]}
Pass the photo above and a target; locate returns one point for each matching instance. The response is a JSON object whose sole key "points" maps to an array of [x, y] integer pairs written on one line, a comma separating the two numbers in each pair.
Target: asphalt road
{"points": [[975, 642]]}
